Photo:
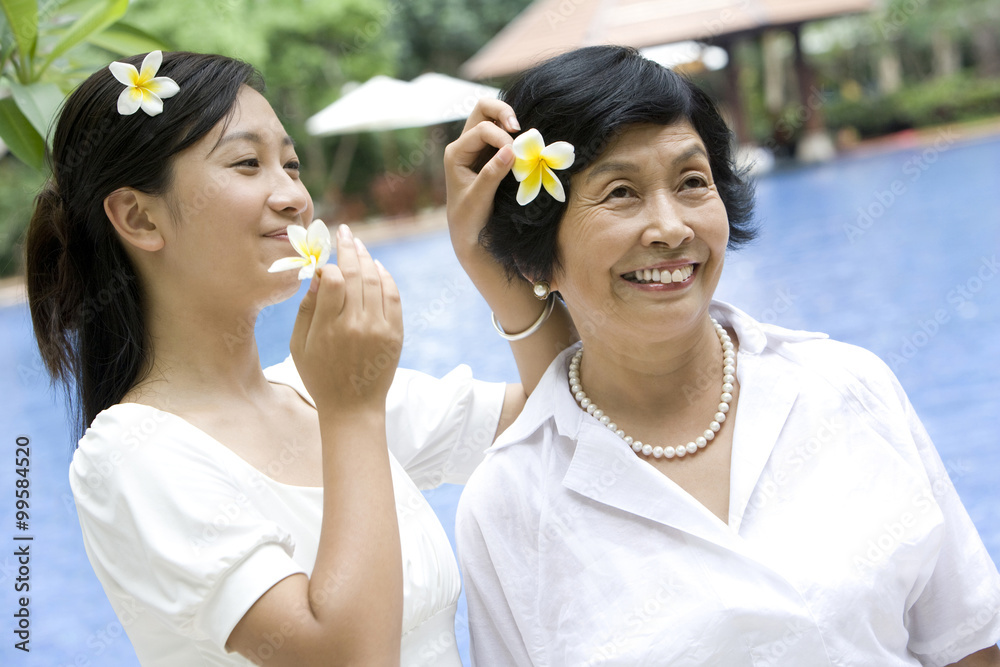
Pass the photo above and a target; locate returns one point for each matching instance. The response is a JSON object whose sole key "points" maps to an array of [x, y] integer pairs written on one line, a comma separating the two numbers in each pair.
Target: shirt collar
{"points": [[552, 400]]}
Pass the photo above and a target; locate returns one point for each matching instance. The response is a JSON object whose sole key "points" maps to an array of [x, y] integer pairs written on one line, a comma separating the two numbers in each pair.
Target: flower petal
{"points": [[324, 256], [528, 145], [298, 237], [318, 232], [163, 87], [559, 155], [125, 73], [287, 264], [129, 101], [523, 168], [151, 104], [307, 271], [552, 184], [150, 65], [529, 187]]}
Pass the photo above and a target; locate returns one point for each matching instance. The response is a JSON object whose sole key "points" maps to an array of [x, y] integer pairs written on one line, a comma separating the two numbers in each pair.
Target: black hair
{"points": [[588, 97], [86, 302]]}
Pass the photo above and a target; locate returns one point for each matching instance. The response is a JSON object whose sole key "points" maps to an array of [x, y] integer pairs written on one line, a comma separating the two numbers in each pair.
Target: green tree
{"points": [[305, 50], [439, 35], [46, 49]]}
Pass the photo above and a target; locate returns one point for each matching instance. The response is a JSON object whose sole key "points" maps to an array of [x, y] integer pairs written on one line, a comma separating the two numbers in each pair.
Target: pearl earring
{"points": [[541, 289]]}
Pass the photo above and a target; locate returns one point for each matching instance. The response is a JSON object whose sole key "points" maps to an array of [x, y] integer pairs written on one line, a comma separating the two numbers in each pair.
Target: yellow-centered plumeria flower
{"points": [[143, 89], [534, 162], [313, 246]]}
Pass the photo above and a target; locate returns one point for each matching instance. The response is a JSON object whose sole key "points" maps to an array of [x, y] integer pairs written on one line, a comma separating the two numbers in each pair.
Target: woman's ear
{"points": [[129, 211]]}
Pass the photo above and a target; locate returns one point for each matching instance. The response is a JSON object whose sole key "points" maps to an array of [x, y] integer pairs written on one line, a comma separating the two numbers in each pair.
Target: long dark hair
{"points": [[587, 97], [84, 294]]}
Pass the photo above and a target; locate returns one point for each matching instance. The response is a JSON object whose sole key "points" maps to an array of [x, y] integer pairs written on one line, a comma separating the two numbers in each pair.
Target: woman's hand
{"points": [[470, 193], [349, 331], [349, 610], [470, 203]]}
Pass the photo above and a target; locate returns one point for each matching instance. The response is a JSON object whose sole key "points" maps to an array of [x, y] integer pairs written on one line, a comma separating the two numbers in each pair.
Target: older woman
{"points": [[688, 486]]}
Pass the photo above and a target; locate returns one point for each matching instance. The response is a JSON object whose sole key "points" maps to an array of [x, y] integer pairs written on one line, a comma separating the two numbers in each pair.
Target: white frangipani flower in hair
{"points": [[534, 162], [143, 89]]}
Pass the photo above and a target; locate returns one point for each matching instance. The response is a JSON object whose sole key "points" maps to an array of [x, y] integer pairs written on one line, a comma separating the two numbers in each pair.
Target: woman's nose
{"points": [[289, 195], [665, 223]]}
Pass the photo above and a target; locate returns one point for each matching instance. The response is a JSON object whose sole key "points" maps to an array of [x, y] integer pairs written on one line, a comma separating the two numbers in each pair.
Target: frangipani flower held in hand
{"points": [[313, 246], [534, 162], [143, 89]]}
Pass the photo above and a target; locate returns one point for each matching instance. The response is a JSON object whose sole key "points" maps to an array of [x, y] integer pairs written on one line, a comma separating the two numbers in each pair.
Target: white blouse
{"points": [[846, 543], [184, 535]]}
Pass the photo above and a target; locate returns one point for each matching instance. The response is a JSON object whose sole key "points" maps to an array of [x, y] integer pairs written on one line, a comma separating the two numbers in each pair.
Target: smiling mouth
{"points": [[656, 276]]}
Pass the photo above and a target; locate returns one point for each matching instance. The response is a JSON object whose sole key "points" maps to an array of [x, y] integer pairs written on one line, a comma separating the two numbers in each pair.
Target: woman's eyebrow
{"points": [[611, 166], [252, 137], [692, 151]]}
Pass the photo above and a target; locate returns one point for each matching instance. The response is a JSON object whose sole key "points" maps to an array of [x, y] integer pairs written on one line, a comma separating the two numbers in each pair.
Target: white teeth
{"points": [[664, 277]]}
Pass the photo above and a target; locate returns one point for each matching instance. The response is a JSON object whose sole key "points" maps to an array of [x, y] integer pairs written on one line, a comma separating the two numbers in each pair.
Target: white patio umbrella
{"points": [[385, 103]]}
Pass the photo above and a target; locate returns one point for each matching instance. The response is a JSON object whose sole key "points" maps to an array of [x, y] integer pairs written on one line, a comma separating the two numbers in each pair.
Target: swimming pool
{"points": [[896, 252]]}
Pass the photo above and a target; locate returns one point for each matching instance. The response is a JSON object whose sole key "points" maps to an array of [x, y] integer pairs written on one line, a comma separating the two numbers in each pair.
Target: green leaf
{"points": [[22, 15], [21, 138], [126, 40], [39, 103], [6, 41], [102, 15]]}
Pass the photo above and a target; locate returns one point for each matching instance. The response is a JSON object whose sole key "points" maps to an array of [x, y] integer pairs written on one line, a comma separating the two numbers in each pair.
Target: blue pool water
{"points": [[896, 252]]}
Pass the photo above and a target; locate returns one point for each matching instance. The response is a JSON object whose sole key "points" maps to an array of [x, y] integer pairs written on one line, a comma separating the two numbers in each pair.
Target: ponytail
{"points": [[85, 307]]}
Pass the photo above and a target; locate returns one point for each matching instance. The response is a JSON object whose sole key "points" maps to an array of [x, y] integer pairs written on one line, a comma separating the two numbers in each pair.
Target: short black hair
{"points": [[588, 97]]}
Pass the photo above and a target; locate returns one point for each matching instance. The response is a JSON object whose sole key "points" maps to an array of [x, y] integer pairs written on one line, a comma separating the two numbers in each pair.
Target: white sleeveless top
{"points": [[184, 535]]}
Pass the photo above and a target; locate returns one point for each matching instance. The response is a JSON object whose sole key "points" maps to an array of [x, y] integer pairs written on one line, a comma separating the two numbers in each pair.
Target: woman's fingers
{"points": [[391, 304], [494, 111], [307, 309], [464, 152], [488, 179], [371, 281], [350, 266]]}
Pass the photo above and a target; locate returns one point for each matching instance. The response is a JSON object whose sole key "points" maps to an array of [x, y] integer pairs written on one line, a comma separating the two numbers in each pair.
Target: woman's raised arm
{"points": [[349, 611], [470, 202]]}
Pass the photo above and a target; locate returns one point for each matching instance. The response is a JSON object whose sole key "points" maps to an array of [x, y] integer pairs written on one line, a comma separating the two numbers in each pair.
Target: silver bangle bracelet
{"points": [[550, 302]]}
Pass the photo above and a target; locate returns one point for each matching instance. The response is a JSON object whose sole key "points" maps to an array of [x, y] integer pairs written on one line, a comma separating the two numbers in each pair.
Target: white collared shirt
{"points": [[846, 542]]}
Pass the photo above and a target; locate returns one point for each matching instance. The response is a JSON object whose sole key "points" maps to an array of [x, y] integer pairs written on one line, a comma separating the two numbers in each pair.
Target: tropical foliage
{"points": [[48, 47]]}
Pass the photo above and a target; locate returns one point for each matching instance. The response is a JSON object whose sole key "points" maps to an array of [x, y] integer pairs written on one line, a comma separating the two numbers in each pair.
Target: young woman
{"points": [[236, 514]]}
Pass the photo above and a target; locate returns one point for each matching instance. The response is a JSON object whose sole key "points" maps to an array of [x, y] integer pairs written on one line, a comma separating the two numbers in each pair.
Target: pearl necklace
{"points": [[728, 377]]}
